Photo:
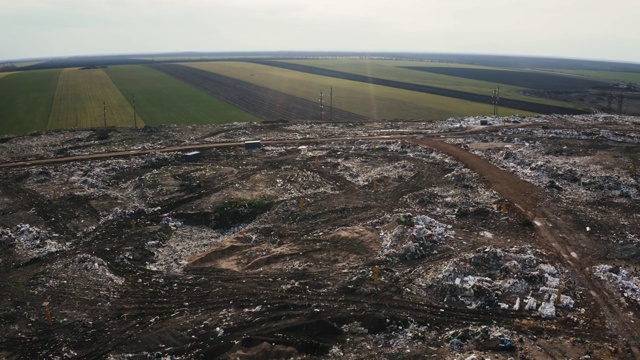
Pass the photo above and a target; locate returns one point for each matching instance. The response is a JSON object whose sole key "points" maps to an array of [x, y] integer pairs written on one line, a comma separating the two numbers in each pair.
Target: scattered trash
{"points": [[492, 276], [415, 238], [626, 281]]}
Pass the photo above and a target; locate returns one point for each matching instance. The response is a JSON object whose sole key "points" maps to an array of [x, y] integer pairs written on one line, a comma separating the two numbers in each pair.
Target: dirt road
{"points": [[570, 244]]}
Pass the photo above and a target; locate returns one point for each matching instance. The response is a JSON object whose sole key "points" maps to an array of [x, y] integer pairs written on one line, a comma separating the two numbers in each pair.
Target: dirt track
{"points": [[554, 233], [519, 192]]}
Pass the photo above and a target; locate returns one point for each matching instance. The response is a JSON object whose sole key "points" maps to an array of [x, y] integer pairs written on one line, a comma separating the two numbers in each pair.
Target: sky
{"points": [[581, 29]]}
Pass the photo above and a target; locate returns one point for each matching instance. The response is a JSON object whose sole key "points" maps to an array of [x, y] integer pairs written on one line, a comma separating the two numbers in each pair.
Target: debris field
{"points": [[398, 240]]}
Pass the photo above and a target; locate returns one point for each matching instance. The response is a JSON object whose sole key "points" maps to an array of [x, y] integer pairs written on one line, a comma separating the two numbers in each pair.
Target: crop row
{"points": [[265, 103], [480, 98]]}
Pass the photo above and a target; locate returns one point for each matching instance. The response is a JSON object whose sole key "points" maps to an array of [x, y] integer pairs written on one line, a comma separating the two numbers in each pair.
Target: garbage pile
{"points": [[415, 237], [576, 178], [96, 178], [30, 242], [462, 123], [293, 182], [626, 281], [480, 337], [89, 270], [388, 337], [96, 270], [184, 242], [361, 173], [509, 279], [401, 336]]}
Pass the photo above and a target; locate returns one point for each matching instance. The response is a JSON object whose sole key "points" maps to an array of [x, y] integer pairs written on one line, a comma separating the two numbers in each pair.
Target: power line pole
{"points": [[620, 99], [135, 122], [321, 105], [496, 100], [104, 113], [331, 103]]}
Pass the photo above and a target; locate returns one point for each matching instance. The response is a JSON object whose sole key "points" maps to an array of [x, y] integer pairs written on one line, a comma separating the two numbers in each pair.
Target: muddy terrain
{"points": [[379, 240]]}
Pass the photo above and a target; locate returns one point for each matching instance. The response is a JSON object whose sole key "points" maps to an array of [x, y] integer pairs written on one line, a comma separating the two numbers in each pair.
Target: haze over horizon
{"points": [[588, 29]]}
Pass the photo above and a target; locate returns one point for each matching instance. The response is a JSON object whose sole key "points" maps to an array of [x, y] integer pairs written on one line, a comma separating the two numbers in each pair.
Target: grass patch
{"points": [[161, 99], [520, 78], [25, 101], [614, 76], [79, 99], [372, 101]]}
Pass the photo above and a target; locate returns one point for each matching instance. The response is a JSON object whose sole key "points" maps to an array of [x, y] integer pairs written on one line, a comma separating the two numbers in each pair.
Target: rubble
{"points": [[547, 310], [183, 243], [480, 337], [493, 278], [414, 238], [31, 242], [625, 280]]}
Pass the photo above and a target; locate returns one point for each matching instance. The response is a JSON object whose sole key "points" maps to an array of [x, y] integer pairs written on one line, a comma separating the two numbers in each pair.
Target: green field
{"points": [[25, 101], [82, 96], [161, 99], [617, 76], [36, 100], [524, 79], [373, 101], [394, 70]]}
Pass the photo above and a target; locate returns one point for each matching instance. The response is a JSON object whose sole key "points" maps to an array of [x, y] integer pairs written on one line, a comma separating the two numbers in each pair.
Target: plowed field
{"points": [[262, 102]]}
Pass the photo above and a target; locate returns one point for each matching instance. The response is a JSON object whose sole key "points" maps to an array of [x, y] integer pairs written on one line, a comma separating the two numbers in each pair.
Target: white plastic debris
{"points": [[531, 304], [516, 307], [547, 310]]}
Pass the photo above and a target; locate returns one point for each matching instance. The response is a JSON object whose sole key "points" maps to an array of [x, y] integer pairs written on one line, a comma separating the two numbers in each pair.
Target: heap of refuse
{"points": [[184, 242], [480, 337], [514, 279], [414, 237], [30, 242], [576, 177], [625, 280]]}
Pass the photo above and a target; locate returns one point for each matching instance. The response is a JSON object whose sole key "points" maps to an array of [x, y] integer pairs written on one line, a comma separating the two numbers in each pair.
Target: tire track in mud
{"points": [[524, 196], [282, 310]]}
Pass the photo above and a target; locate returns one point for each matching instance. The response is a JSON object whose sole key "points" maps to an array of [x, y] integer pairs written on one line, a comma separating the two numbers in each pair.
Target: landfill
{"points": [[474, 238]]}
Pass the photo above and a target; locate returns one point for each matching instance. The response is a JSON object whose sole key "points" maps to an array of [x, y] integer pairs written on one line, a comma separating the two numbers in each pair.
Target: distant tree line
{"points": [[8, 66], [486, 60]]}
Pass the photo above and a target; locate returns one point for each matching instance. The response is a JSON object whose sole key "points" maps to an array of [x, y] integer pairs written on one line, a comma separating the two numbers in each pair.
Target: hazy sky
{"points": [[590, 29]]}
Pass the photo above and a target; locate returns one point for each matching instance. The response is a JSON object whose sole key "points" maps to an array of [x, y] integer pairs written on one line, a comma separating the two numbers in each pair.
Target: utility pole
{"points": [[496, 99], [135, 121], [321, 105], [331, 104], [104, 113], [620, 99]]}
